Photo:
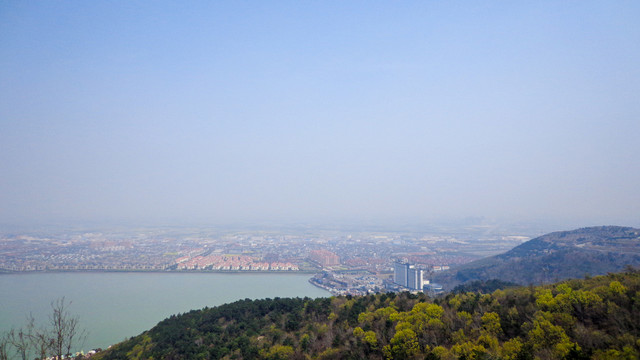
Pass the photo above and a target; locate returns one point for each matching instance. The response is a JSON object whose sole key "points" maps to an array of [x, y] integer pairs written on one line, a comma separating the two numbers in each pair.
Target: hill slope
{"points": [[597, 318], [556, 256]]}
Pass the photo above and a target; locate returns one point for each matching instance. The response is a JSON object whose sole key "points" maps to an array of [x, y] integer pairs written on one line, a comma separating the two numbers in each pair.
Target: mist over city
{"points": [[239, 113], [319, 180]]}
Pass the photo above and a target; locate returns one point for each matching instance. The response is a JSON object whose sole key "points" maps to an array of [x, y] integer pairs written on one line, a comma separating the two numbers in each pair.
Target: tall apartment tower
{"points": [[414, 278], [400, 273], [408, 276]]}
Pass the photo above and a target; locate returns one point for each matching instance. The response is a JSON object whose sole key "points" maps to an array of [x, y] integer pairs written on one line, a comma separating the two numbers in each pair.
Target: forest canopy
{"points": [[595, 318]]}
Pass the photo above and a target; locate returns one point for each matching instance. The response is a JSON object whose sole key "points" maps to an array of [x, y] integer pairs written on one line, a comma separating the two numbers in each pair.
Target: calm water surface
{"points": [[116, 306]]}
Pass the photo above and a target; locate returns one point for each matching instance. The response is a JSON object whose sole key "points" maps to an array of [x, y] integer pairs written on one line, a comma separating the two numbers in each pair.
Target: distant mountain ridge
{"points": [[556, 256]]}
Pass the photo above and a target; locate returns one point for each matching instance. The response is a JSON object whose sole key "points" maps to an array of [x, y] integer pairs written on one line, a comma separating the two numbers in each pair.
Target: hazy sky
{"points": [[214, 111]]}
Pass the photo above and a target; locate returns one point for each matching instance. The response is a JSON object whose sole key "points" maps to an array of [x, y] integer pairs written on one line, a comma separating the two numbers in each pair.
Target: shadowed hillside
{"points": [[555, 256]]}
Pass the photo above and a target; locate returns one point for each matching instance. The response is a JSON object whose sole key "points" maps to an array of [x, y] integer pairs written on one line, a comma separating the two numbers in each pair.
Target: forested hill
{"points": [[596, 318], [556, 256]]}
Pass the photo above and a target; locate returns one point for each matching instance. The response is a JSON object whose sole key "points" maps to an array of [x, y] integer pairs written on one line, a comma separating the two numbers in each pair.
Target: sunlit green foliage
{"points": [[597, 318]]}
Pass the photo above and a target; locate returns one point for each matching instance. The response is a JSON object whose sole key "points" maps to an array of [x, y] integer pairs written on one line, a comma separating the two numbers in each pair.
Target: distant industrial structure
{"points": [[408, 276]]}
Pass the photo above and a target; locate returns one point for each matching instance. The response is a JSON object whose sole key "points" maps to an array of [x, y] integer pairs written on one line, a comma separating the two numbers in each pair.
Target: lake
{"points": [[116, 306]]}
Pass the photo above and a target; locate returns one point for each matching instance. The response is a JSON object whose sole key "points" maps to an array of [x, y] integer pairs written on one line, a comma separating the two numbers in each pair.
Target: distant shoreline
{"points": [[256, 272]]}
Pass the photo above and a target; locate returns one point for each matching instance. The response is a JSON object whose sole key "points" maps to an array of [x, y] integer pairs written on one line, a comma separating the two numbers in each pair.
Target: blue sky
{"points": [[215, 112]]}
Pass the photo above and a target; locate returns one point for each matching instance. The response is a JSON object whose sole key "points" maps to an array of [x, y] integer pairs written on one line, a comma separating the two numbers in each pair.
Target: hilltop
{"points": [[556, 256], [597, 318]]}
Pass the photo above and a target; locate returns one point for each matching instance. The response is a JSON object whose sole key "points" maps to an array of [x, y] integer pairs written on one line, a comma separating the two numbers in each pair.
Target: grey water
{"points": [[115, 306]]}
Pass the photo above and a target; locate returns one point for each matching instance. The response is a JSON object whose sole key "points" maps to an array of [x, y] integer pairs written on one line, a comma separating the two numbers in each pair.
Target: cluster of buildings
{"points": [[324, 257], [408, 276], [348, 283], [232, 263], [440, 267], [351, 261]]}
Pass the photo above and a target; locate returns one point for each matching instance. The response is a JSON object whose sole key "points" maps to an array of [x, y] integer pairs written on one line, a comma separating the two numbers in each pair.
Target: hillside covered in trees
{"points": [[555, 256], [595, 318]]}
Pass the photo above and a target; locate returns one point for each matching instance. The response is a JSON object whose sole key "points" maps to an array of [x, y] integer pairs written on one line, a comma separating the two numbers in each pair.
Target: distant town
{"points": [[341, 261]]}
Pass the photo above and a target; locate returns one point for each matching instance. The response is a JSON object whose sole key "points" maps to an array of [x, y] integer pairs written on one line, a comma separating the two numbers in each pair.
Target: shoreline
{"points": [[268, 272], [321, 286], [115, 306]]}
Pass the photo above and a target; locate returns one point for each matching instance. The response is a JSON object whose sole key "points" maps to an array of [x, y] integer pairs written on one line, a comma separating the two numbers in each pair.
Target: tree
{"points": [[491, 323], [279, 352], [65, 332], [4, 347], [55, 339], [20, 339], [403, 345]]}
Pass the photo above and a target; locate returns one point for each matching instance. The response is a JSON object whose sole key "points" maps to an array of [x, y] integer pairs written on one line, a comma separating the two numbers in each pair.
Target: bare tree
{"points": [[4, 347], [55, 339], [65, 332], [41, 340], [20, 339]]}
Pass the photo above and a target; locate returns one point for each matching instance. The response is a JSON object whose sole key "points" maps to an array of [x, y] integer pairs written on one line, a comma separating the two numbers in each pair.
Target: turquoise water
{"points": [[116, 306]]}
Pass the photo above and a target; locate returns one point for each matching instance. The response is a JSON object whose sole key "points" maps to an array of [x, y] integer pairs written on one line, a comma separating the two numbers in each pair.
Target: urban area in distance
{"points": [[342, 261]]}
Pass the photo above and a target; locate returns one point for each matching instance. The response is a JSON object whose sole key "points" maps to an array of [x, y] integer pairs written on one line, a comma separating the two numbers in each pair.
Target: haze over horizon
{"points": [[225, 112]]}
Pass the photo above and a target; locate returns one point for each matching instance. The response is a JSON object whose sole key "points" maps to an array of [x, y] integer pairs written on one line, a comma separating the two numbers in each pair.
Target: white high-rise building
{"points": [[408, 276], [400, 273], [414, 278]]}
